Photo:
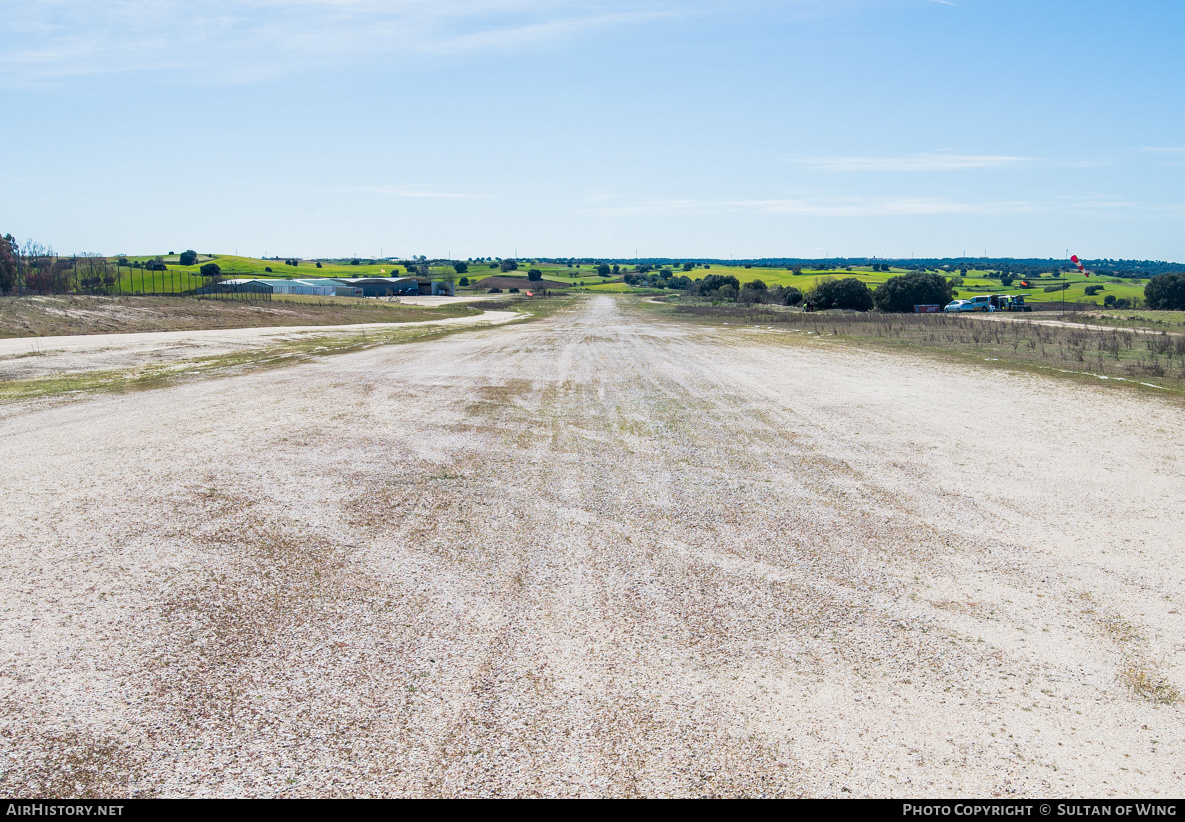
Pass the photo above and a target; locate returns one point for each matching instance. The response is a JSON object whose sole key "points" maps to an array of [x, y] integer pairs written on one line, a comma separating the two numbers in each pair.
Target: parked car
{"points": [[957, 306]]}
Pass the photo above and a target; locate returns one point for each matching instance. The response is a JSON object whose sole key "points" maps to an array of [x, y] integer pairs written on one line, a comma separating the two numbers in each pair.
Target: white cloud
{"points": [[244, 40], [820, 207], [913, 162]]}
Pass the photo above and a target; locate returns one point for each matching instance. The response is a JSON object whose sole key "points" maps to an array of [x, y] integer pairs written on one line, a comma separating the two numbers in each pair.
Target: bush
{"points": [[1123, 302], [352, 262], [268, 269], [493, 291], [1166, 292], [513, 290], [493, 265], [757, 285], [1109, 300], [464, 281], [898, 295], [719, 287], [534, 275], [318, 265], [1091, 290], [1049, 289], [188, 257], [210, 270], [848, 293], [461, 268], [791, 296]]}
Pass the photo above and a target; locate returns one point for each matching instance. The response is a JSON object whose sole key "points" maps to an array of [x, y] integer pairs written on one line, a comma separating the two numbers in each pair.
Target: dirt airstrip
{"points": [[597, 554]]}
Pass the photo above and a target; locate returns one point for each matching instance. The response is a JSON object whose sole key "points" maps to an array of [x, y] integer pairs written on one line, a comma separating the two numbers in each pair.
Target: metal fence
{"points": [[100, 276]]}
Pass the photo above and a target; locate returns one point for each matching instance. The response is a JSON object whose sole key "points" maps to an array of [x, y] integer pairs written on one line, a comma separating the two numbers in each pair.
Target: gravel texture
{"points": [[597, 554], [31, 357]]}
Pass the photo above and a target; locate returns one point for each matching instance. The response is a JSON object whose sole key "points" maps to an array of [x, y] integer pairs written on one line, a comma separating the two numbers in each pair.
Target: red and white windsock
{"points": [[1081, 268]]}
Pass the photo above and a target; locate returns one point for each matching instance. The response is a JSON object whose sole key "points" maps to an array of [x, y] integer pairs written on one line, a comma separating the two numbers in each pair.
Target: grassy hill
{"points": [[184, 278], [975, 282]]}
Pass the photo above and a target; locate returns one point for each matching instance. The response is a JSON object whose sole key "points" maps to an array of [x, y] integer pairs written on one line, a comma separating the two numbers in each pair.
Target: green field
{"points": [[181, 278], [975, 281]]}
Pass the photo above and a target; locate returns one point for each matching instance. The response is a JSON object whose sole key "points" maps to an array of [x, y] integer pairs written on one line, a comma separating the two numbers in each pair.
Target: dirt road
{"points": [[597, 554], [28, 357]]}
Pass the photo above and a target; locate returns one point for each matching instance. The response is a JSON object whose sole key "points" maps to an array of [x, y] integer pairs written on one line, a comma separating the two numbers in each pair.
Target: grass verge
{"points": [[1112, 356], [288, 352]]}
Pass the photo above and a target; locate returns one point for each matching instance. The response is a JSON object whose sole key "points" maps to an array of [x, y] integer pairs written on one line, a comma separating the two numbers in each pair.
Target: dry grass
{"points": [[1149, 684], [1156, 360], [59, 316]]}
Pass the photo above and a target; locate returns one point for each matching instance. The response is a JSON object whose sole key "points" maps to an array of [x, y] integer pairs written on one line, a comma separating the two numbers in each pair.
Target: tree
{"points": [[1109, 300], [1166, 292], [791, 295], [719, 287], [9, 266], [688, 266], [757, 285], [355, 261], [1006, 279], [318, 265], [188, 257], [268, 269], [464, 281], [604, 270], [461, 268], [847, 293], [534, 275], [510, 265], [211, 270], [898, 295]]}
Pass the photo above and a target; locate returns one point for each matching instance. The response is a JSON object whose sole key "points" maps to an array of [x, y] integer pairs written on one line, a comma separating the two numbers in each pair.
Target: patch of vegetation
{"points": [[1113, 356]]}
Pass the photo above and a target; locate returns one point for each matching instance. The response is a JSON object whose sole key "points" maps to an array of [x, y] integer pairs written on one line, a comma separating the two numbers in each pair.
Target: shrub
{"points": [[1091, 290], [268, 269], [464, 281], [1049, 289], [318, 265], [1166, 292], [210, 270], [757, 285], [534, 275], [352, 262], [513, 290], [1109, 300], [493, 291], [848, 293], [1123, 302], [791, 295], [898, 295], [719, 287], [493, 265]]}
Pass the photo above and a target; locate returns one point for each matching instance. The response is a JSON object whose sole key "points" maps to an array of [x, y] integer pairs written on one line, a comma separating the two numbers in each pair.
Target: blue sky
{"points": [[699, 128]]}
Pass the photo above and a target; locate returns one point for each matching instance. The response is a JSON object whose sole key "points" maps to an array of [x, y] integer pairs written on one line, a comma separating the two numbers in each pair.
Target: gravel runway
{"points": [[600, 554]]}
